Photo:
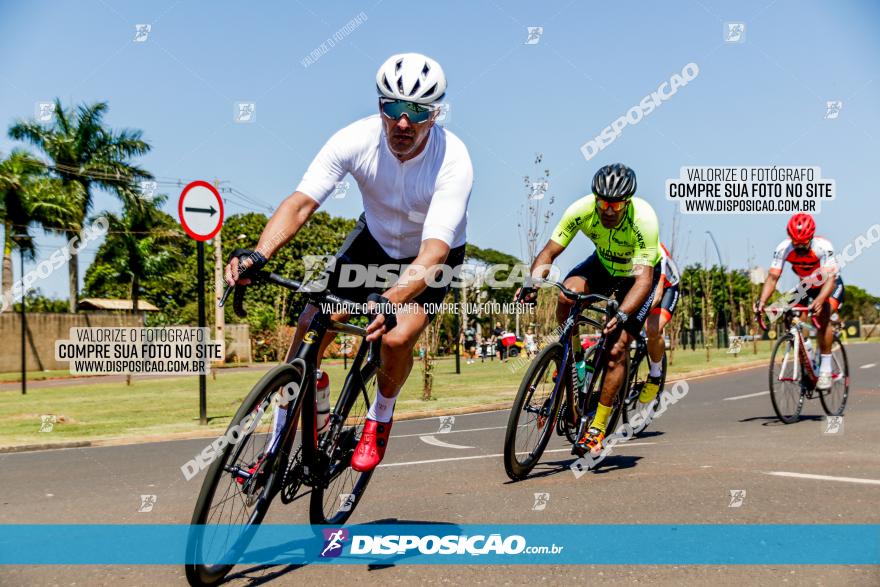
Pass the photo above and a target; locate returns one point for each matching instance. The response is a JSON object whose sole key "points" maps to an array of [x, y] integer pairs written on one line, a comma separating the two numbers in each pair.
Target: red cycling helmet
{"points": [[801, 228]]}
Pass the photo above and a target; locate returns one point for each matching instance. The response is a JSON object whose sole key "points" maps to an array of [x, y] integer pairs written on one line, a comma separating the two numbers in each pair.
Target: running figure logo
{"points": [[141, 32], [734, 32], [47, 422], [541, 500], [833, 424], [446, 423], [832, 109], [535, 33], [737, 497], [147, 503], [333, 540]]}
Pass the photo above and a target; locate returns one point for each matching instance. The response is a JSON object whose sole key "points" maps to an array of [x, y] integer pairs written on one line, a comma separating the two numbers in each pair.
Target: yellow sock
{"points": [[600, 420]]}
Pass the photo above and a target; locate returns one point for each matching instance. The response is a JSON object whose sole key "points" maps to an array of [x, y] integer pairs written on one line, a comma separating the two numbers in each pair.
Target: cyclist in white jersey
{"points": [[415, 178]]}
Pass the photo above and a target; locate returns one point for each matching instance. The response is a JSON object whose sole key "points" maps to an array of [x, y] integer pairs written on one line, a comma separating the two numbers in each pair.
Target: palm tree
{"points": [[134, 248], [86, 155], [28, 196]]}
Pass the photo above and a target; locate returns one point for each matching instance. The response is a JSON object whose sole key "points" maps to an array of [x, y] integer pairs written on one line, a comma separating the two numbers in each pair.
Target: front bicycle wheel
{"points": [[834, 399], [334, 498], [531, 419], [240, 483], [786, 389]]}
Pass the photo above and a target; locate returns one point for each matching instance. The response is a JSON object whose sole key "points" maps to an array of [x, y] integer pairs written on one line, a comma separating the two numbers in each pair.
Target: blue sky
{"points": [[760, 102]]}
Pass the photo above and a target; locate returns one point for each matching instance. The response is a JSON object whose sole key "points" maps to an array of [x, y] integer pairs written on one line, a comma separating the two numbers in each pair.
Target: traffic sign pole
{"points": [[203, 379], [200, 210]]}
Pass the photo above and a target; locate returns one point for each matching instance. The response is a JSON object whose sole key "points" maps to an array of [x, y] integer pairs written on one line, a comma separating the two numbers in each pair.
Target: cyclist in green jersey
{"points": [[626, 234]]}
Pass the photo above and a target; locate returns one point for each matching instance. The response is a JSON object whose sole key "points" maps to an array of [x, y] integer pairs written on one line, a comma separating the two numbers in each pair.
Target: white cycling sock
{"points": [[825, 364], [656, 368], [382, 408]]}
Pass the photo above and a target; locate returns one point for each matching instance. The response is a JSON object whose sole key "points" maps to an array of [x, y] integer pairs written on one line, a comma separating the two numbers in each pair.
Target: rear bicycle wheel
{"points": [[241, 482], [532, 415], [834, 399], [335, 498], [638, 378], [786, 388]]}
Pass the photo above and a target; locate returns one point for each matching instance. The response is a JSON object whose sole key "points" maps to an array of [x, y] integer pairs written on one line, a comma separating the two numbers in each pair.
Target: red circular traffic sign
{"points": [[200, 210]]}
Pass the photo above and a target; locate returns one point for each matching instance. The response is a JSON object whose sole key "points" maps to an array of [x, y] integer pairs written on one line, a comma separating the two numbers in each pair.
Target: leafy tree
{"points": [[85, 155], [27, 196], [35, 301], [140, 246]]}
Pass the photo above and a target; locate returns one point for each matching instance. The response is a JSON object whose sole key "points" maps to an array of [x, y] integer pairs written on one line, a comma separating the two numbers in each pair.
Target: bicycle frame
{"points": [[582, 303], [802, 362], [365, 364]]}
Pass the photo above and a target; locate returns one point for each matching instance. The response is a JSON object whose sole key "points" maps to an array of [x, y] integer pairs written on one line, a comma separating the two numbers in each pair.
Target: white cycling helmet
{"points": [[413, 77]]}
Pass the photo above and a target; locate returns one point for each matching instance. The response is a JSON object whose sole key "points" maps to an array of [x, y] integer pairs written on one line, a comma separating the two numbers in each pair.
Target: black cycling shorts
{"points": [[599, 281], [668, 302], [361, 249], [837, 294]]}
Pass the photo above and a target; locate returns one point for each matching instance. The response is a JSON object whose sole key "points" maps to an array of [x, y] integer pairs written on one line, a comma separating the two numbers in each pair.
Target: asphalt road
{"points": [[722, 436]]}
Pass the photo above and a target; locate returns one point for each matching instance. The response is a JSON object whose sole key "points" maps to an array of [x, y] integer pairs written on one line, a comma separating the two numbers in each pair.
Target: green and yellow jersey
{"points": [[635, 241]]}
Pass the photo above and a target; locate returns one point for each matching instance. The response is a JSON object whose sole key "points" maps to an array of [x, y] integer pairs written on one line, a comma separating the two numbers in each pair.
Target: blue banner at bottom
{"points": [[630, 544]]}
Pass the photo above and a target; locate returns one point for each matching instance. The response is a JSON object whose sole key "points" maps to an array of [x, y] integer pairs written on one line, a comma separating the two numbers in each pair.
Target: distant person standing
{"points": [[470, 344], [497, 335]]}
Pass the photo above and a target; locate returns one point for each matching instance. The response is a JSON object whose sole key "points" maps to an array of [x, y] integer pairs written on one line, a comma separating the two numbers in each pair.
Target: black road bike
{"points": [[547, 400], [249, 473]]}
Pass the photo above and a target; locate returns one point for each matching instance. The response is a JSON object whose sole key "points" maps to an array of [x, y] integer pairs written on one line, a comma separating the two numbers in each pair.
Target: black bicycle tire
{"points": [[316, 501], [512, 466], [823, 395], [787, 339], [207, 575], [632, 406]]}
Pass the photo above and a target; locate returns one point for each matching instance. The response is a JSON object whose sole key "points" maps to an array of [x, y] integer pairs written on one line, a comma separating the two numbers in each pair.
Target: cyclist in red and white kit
{"points": [[664, 304], [812, 259]]}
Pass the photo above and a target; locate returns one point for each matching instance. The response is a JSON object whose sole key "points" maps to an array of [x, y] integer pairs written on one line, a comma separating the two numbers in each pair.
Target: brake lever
{"points": [[226, 293]]}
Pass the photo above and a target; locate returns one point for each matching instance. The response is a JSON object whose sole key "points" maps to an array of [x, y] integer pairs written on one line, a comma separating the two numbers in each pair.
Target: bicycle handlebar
{"points": [[291, 284], [762, 323]]}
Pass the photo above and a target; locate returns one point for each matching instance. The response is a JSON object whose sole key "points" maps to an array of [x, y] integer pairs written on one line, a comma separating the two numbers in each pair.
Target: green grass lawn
{"points": [[91, 411]]}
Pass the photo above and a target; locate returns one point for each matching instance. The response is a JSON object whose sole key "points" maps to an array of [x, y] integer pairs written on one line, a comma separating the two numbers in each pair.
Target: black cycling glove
{"points": [[385, 309], [258, 261]]}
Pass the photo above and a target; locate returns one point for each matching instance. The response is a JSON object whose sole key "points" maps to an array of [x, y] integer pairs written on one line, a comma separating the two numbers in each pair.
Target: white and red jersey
{"points": [[821, 254], [668, 269]]}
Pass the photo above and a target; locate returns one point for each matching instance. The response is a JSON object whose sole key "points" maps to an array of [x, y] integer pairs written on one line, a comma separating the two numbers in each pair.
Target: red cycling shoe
{"points": [[371, 448]]}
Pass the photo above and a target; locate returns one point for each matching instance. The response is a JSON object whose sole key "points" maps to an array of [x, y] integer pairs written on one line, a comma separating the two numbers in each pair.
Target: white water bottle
{"points": [[808, 345]]}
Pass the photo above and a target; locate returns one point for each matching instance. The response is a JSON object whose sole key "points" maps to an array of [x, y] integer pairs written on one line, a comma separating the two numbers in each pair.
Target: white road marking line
{"points": [[496, 456], [868, 366], [432, 440], [727, 399], [824, 477], [450, 432]]}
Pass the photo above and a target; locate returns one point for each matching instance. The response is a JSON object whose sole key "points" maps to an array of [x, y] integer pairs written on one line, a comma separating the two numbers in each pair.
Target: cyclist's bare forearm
{"points": [[414, 281], [769, 287], [286, 222], [541, 266], [828, 285]]}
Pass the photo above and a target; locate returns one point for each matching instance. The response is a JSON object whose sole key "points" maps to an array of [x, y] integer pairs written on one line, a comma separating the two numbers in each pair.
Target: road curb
{"points": [[45, 446], [421, 414]]}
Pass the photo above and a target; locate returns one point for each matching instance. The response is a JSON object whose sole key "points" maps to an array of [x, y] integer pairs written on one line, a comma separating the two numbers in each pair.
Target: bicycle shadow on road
{"points": [[775, 422], [254, 575], [607, 465]]}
